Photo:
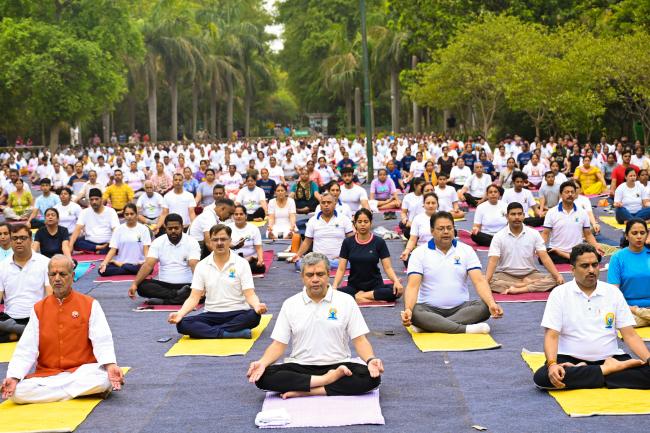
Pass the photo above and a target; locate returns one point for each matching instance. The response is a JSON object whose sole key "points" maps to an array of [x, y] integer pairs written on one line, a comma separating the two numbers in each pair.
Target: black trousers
{"points": [[259, 213], [471, 200], [161, 290], [406, 231], [383, 292], [213, 325], [591, 376], [534, 221], [255, 268], [4, 336], [311, 204], [125, 269], [555, 258], [297, 377], [483, 239]]}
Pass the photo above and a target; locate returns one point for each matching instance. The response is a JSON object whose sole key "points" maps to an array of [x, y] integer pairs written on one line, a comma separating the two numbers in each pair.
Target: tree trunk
{"points": [[195, 107], [348, 113], [152, 104], [213, 109], [372, 117], [357, 111], [230, 127], [445, 116], [54, 136], [247, 114], [131, 108], [416, 109], [106, 127], [219, 125], [394, 99], [173, 91]]}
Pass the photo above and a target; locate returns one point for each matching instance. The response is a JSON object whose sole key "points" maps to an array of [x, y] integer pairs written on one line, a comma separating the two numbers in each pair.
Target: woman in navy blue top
{"points": [[364, 251]]}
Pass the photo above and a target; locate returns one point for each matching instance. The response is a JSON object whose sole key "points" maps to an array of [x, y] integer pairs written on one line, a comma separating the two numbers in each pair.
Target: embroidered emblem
{"points": [[332, 314], [609, 320], [456, 260], [75, 314]]}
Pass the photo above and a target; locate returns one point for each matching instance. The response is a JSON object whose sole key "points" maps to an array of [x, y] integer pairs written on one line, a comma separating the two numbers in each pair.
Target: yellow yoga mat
{"points": [[6, 351], [439, 342], [460, 219], [259, 223], [63, 416], [599, 401], [643, 332], [611, 221], [187, 346]]}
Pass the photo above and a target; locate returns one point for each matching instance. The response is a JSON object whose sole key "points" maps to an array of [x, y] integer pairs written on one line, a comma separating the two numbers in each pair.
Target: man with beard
{"points": [[97, 222]]}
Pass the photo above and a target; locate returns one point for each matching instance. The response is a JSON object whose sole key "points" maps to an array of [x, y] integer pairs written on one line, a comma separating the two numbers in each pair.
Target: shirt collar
{"points": [[597, 292], [559, 206], [229, 262], [321, 213], [432, 245], [328, 296]]}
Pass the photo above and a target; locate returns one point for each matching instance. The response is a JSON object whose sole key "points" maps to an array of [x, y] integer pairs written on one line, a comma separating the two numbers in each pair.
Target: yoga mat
{"points": [[609, 250], [644, 333], [465, 237], [599, 401], [88, 257], [259, 223], [371, 304], [611, 221], [144, 308], [187, 346], [324, 411], [396, 210], [602, 194], [268, 259], [82, 269], [63, 416], [2, 308], [440, 342], [123, 278], [7, 350], [522, 297]]}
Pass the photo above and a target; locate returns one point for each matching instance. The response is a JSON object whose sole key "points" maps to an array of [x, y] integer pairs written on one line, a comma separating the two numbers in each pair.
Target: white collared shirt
{"points": [[319, 332], [174, 259], [587, 324], [516, 253], [23, 287], [224, 288], [566, 228], [444, 276], [99, 227], [328, 235], [26, 352]]}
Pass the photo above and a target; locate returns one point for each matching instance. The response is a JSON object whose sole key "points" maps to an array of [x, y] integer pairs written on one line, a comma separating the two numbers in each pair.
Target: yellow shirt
{"points": [[119, 196]]}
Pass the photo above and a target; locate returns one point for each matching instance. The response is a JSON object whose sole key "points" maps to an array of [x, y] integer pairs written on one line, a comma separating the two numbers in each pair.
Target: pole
{"points": [[366, 91]]}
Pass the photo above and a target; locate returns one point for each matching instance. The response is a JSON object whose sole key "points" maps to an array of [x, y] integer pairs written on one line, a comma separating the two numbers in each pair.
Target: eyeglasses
{"points": [[20, 238]]}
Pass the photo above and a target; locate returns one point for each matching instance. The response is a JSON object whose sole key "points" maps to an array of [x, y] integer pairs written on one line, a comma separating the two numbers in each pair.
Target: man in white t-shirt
{"points": [[473, 192], [149, 204], [319, 322], [525, 198], [351, 194], [177, 201], [97, 222], [580, 322], [437, 294], [511, 260], [177, 254], [232, 308]]}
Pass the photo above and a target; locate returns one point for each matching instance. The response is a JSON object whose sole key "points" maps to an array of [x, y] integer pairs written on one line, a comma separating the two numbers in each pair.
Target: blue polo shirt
{"points": [[631, 272]]}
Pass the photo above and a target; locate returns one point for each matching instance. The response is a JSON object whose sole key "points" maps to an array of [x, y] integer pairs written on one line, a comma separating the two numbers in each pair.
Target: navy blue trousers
{"points": [[212, 325]]}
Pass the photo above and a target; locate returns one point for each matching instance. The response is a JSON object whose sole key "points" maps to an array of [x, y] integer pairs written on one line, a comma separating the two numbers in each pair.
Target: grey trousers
{"points": [[450, 320]]}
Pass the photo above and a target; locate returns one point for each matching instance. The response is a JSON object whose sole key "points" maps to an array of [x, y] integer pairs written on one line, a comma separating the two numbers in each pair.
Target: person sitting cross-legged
{"points": [[97, 222], [128, 247], [437, 297], [319, 321], [581, 320], [69, 340], [232, 308], [511, 260]]}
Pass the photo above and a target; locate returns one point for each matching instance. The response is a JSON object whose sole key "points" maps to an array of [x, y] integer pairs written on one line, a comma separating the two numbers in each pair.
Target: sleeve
{"points": [[585, 220], [115, 239], [272, 207], [618, 194], [191, 202], [552, 318], [246, 277], [82, 218], [416, 265], [115, 220], [129, 193], [373, 186], [468, 182], [309, 229], [347, 225], [100, 335], [38, 237], [240, 195], [363, 195], [107, 192], [382, 248], [195, 249], [614, 272], [256, 235], [345, 249], [165, 202], [198, 282], [495, 246], [282, 330], [472, 259], [292, 205], [65, 234], [548, 220], [415, 227], [138, 204], [146, 236], [26, 351], [153, 250], [624, 317], [356, 325], [539, 242], [478, 215]]}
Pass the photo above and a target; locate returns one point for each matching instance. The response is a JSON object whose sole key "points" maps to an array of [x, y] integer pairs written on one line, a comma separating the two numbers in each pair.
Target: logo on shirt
{"points": [[231, 272], [456, 260], [332, 314], [609, 320], [577, 220], [75, 314]]}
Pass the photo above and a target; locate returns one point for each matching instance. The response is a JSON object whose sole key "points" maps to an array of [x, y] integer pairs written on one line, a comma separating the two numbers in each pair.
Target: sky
{"points": [[276, 29]]}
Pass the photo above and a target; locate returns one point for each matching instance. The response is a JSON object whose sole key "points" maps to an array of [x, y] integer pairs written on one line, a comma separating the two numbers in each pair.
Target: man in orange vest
{"points": [[69, 340]]}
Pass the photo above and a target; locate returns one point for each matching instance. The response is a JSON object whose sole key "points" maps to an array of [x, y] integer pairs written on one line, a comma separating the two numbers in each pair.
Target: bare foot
{"points": [[613, 365], [513, 290], [364, 297], [334, 375], [292, 394]]}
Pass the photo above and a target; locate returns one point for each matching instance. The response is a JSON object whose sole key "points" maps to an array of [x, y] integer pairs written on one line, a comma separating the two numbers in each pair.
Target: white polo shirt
{"points": [[524, 198], [251, 235], [151, 206], [421, 227], [353, 196], [566, 228], [476, 186], [446, 198], [587, 325], [98, 227], [444, 276], [174, 259], [180, 204], [23, 287], [328, 235], [492, 218], [319, 332], [516, 253], [224, 288], [203, 223]]}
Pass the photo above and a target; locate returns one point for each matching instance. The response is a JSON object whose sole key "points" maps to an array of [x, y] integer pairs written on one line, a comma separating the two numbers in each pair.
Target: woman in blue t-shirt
{"points": [[364, 251], [629, 269]]}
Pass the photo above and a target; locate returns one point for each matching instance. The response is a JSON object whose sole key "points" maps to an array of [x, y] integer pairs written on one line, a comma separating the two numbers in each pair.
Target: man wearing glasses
{"points": [[232, 309], [23, 282]]}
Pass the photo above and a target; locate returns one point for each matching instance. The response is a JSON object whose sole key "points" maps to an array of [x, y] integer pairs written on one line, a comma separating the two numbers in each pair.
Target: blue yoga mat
{"points": [[81, 270]]}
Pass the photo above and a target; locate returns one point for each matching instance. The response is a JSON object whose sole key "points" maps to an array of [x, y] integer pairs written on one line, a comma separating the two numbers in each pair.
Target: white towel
{"points": [[272, 417]]}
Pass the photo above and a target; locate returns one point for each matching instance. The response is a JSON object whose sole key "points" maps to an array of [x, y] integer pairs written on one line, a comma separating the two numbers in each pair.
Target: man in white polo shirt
{"points": [[565, 226], [511, 260], [23, 282], [150, 204], [581, 321], [325, 231], [473, 192], [320, 322], [232, 308], [177, 201], [97, 222], [178, 254], [352, 194], [437, 296], [218, 212]]}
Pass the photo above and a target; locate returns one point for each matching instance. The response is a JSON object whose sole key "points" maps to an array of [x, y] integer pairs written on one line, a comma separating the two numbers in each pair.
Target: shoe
{"points": [[244, 333]]}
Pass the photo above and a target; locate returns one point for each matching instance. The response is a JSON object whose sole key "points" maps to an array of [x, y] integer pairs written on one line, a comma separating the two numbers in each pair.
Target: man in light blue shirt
{"points": [[43, 203]]}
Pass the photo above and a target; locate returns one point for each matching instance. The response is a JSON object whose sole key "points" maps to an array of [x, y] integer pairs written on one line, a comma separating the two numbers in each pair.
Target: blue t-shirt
{"points": [[523, 158], [631, 271], [406, 162], [396, 175], [268, 186], [470, 159], [488, 167]]}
